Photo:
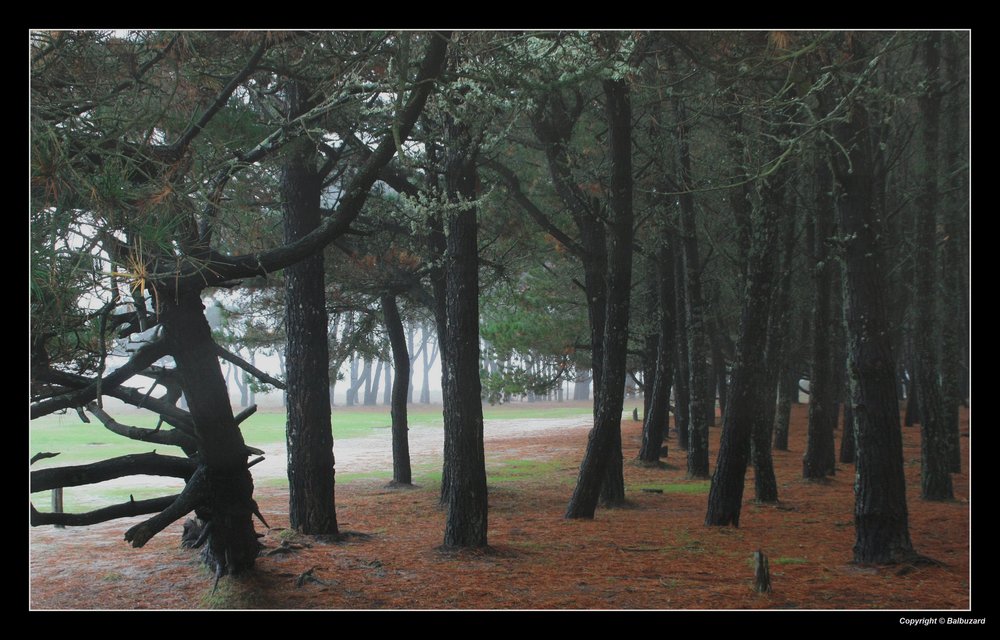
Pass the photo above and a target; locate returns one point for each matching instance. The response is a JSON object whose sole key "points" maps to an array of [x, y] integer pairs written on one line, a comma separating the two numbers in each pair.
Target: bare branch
{"points": [[246, 413], [188, 499], [152, 464], [532, 209], [172, 437], [125, 510], [225, 354], [41, 455], [141, 359], [192, 132]]}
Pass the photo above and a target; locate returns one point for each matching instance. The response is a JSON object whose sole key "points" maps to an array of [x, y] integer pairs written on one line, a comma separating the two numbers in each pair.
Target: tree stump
{"points": [[635, 415], [762, 574]]}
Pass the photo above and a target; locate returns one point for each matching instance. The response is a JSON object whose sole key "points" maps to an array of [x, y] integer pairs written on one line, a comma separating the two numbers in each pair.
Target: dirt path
{"points": [[374, 452]]}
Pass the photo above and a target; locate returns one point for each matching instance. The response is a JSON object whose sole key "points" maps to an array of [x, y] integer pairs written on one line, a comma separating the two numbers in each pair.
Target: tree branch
{"points": [[152, 464], [222, 268], [171, 414], [188, 499], [532, 209], [125, 510], [142, 358], [172, 437], [192, 132], [41, 455], [249, 368]]}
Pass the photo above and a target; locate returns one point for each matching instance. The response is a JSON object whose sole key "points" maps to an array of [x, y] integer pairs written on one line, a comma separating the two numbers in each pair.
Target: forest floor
{"points": [[654, 554]]}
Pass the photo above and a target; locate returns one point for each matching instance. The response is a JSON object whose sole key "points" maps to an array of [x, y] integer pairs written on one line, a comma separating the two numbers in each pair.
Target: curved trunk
{"points": [[601, 469], [657, 417], [400, 389], [747, 417], [226, 498]]}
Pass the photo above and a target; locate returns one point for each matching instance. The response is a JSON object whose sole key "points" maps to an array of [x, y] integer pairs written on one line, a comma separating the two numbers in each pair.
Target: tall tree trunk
{"points": [[309, 432], [881, 519], [401, 362], [698, 347], [780, 213], [657, 416], [682, 369], [935, 458], [751, 392], [954, 287], [822, 385], [604, 443], [466, 520], [228, 504]]}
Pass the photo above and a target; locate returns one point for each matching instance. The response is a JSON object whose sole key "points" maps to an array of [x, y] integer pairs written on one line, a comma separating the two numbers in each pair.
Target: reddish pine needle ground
{"points": [[656, 554]]}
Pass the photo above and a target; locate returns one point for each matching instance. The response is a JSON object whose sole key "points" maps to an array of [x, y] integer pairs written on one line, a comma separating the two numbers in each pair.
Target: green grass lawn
{"points": [[82, 443]]}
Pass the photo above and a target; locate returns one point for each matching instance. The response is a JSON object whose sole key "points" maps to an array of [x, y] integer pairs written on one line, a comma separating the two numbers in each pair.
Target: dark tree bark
{"points": [[438, 243], [682, 369], [466, 521], [650, 338], [657, 417], [225, 495], [781, 215], [553, 124], [881, 519], [816, 463], [152, 464], [401, 363], [604, 442], [720, 377], [788, 393], [935, 458], [912, 413], [309, 432], [698, 348], [954, 339], [751, 390], [848, 442]]}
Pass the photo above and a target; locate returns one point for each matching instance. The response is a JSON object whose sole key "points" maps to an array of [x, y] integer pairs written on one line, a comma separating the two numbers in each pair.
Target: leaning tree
{"points": [[143, 146]]}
